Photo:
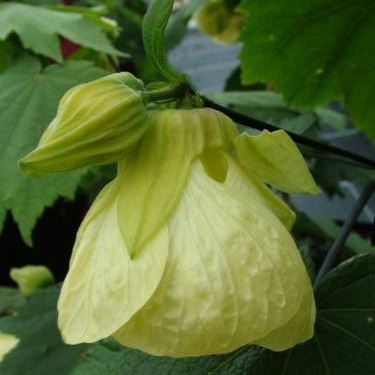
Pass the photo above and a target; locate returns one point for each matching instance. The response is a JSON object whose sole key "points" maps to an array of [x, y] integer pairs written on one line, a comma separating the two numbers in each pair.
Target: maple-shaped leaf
{"points": [[29, 97], [314, 51], [39, 29]]}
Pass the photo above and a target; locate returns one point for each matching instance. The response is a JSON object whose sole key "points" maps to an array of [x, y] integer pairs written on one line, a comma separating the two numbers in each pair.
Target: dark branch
{"points": [[260, 125], [339, 243]]}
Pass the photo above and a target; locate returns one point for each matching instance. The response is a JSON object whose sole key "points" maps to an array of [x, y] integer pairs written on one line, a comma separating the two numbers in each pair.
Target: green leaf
{"points": [[269, 106], [178, 22], [153, 29], [28, 101], [306, 255], [40, 349], [3, 213], [10, 300], [344, 342], [314, 51], [108, 357], [39, 29]]}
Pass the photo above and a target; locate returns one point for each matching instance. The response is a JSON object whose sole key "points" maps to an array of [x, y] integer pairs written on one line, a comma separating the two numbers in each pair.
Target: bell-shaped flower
{"points": [[187, 252], [96, 122]]}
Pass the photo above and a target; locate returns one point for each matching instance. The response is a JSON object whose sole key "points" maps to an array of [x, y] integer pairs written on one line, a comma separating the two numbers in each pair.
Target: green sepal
{"points": [[274, 159], [155, 175]]}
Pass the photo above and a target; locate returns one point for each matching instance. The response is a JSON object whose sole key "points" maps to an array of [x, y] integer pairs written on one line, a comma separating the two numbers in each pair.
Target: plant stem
{"points": [[260, 125], [340, 240], [173, 91]]}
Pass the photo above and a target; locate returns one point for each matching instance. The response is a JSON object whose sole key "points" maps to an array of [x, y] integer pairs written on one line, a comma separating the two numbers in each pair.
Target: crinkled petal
{"points": [[298, 329], [233, 276], [275, 159], [105, 287]]}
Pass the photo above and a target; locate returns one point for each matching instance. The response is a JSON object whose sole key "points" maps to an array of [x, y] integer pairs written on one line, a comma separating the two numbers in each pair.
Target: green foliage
{"points": [[313, 51], [108, 357], [40, 350], [178, 21], [10, 300], [38, 29], [154, 25], [355, 244], [269, 106], [28, 101]]}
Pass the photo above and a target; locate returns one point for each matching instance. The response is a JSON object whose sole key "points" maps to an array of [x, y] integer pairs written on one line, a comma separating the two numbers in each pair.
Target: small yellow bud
{"points": [[31, 278], [219, 22], [97, 122]]}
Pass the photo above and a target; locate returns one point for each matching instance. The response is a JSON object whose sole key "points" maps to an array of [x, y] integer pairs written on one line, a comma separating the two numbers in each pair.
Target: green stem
{"points": [[173, 91]]}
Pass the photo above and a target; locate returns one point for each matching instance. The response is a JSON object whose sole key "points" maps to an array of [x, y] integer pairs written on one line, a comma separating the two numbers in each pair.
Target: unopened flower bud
{"points": [[31, 278], [219, 21], [97, 122]]}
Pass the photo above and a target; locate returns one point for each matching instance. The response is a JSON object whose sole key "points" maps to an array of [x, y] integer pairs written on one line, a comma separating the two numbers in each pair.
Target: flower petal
{"points": [[297, 330], [157, 173], [275, 159], [233, 276], [104, 286], [250, 188]]}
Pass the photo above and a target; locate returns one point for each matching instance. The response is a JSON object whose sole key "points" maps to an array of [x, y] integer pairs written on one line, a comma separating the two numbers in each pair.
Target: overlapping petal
{"points": [[275, 159], [157, 173], [233, 276], [105, 286]]}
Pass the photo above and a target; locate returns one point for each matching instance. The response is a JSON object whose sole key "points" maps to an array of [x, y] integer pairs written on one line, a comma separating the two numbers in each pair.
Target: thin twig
{"points": [[260, 125], [340, 240]]}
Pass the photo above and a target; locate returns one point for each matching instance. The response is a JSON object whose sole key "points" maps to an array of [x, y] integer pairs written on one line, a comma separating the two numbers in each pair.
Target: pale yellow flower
{"points": [[187, 252]]}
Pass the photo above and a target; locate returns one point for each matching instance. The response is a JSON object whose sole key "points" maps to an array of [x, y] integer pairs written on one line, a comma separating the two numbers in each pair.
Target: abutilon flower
{"points": [[187, 252], [96, 122]]}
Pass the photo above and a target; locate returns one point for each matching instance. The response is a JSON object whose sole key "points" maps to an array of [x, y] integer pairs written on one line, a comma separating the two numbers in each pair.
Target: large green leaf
{"points": [[153, 30], [10, 300], [40, 350], [39, 28], [108, 357], [28, 100], [314, 51]]}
